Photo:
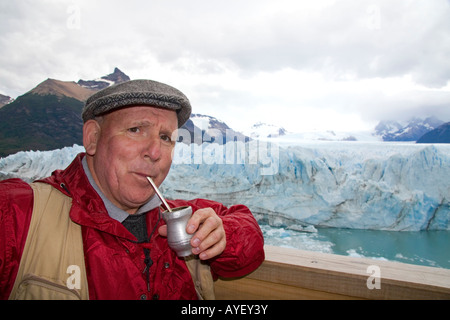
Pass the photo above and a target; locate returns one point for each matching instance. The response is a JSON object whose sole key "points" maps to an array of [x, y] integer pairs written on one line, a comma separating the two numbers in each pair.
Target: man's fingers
{"points": [[213, 251], [209, 239], [163, 230], [213, 238], [197, 218]]}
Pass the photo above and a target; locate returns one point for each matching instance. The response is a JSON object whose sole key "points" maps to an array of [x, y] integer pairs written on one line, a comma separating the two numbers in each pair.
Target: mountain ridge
{"points": [[412, 130], [265, 130], [205, 128], [46, 117], [62, 88], [40, 122], [49, 116], [439, 135], [4, 100], [101, 83]]}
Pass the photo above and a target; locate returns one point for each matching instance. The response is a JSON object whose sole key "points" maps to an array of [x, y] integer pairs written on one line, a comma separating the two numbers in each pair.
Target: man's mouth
{"points": [[144, 175]]}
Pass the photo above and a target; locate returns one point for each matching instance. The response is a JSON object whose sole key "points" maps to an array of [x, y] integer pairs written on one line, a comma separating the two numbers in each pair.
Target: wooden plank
{"points": [[306, 274], [252, 289], [348, 275]]}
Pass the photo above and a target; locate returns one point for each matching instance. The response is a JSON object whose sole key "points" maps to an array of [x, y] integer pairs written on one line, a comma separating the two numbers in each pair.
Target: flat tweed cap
{"points": [[137, 92]]}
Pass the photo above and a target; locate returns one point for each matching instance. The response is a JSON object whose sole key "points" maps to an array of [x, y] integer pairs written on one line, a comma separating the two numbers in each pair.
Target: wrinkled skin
{"points": [[129, 144]]}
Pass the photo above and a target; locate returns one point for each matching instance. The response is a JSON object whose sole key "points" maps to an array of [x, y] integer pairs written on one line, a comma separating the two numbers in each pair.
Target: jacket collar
{"points": [[88, 208]]}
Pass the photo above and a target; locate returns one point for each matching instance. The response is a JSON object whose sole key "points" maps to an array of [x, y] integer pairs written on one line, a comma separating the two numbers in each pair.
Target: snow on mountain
{"points": [[4, 100], [205, 122], [204, 128], [106, 81], [265, 130], [360, 185], [411, 130], [292, 138]]}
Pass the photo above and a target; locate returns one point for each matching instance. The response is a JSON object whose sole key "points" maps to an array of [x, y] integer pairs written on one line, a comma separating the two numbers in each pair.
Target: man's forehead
{"points": [[141, 113]]}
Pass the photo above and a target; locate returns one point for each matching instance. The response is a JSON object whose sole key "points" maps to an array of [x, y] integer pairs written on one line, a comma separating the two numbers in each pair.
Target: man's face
{"points": [[132, 144]]}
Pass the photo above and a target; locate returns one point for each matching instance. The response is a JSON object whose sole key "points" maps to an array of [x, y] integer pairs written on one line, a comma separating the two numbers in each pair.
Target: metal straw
{"points": [[159, 194]]}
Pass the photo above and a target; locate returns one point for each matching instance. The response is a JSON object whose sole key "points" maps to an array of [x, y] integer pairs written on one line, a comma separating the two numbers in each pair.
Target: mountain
{"points": [[4, 100], [62, 89], [40, 122], [264, 130], [203, 128], [271, 132], [387, 128], [98, 84], [47, 117], [439, 135], [409, 131]]}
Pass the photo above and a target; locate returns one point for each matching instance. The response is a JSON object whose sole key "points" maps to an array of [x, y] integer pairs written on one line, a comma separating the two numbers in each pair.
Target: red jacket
{"points": [[115, 266]]}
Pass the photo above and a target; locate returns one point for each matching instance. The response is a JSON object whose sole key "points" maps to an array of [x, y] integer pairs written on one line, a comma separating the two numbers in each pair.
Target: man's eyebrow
{"points": [[167, 131], [147, 123], [139, 123]]}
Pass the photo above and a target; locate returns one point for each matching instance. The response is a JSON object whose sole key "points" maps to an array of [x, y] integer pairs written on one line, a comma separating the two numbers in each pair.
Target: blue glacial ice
{"points": [[359, 185]]}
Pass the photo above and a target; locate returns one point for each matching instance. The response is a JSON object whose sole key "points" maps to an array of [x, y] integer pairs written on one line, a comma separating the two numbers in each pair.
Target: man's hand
{"points": [[209, 239]]}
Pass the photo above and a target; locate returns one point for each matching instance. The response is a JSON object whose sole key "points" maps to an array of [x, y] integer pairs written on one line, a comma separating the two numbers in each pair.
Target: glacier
{"points": [[34, 165], [357, 185]]}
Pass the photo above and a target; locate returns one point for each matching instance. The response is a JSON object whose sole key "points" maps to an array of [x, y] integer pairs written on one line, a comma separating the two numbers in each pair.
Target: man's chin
{"points": [[136, 200]]}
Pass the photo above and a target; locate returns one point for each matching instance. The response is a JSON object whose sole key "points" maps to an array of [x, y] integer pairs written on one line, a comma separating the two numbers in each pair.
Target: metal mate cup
{"points": [[177, 237]]}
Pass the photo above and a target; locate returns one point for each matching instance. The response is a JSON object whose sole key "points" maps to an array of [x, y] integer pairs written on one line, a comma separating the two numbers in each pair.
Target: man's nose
{"points": [[152, 149]]}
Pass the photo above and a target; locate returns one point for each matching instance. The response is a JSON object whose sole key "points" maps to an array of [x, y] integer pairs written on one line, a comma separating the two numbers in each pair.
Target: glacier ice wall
{"points": [[384, 186], [33, 165], [361, 185]]}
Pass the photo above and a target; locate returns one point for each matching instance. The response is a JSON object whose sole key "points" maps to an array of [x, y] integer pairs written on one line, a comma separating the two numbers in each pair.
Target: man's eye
{"points": [[166, 138], [134, 130]]}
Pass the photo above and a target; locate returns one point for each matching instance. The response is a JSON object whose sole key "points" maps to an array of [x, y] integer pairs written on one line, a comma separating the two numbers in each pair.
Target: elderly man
{"points": [[103, 207]]}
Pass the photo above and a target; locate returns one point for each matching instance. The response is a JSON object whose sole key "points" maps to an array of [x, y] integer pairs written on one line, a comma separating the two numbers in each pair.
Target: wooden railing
{"points": [[288, 274]]}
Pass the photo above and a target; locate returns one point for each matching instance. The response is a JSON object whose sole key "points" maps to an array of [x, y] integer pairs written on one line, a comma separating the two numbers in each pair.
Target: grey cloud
{"points": [[376, 39], [339, 39]]}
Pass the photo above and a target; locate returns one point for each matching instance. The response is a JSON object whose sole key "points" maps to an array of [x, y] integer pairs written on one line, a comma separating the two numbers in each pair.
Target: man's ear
{"points": [[91, 134]]}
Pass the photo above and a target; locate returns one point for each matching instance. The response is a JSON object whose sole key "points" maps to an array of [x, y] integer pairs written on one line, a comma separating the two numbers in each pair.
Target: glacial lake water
{"points": [[428, 248]]}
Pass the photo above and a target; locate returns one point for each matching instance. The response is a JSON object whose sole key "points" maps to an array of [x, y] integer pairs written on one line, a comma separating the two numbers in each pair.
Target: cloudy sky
{"points": [[305, 65]]}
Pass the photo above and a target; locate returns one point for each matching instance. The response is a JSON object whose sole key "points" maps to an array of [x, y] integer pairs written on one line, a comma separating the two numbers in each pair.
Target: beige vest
{"points": [[52, 265]]}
